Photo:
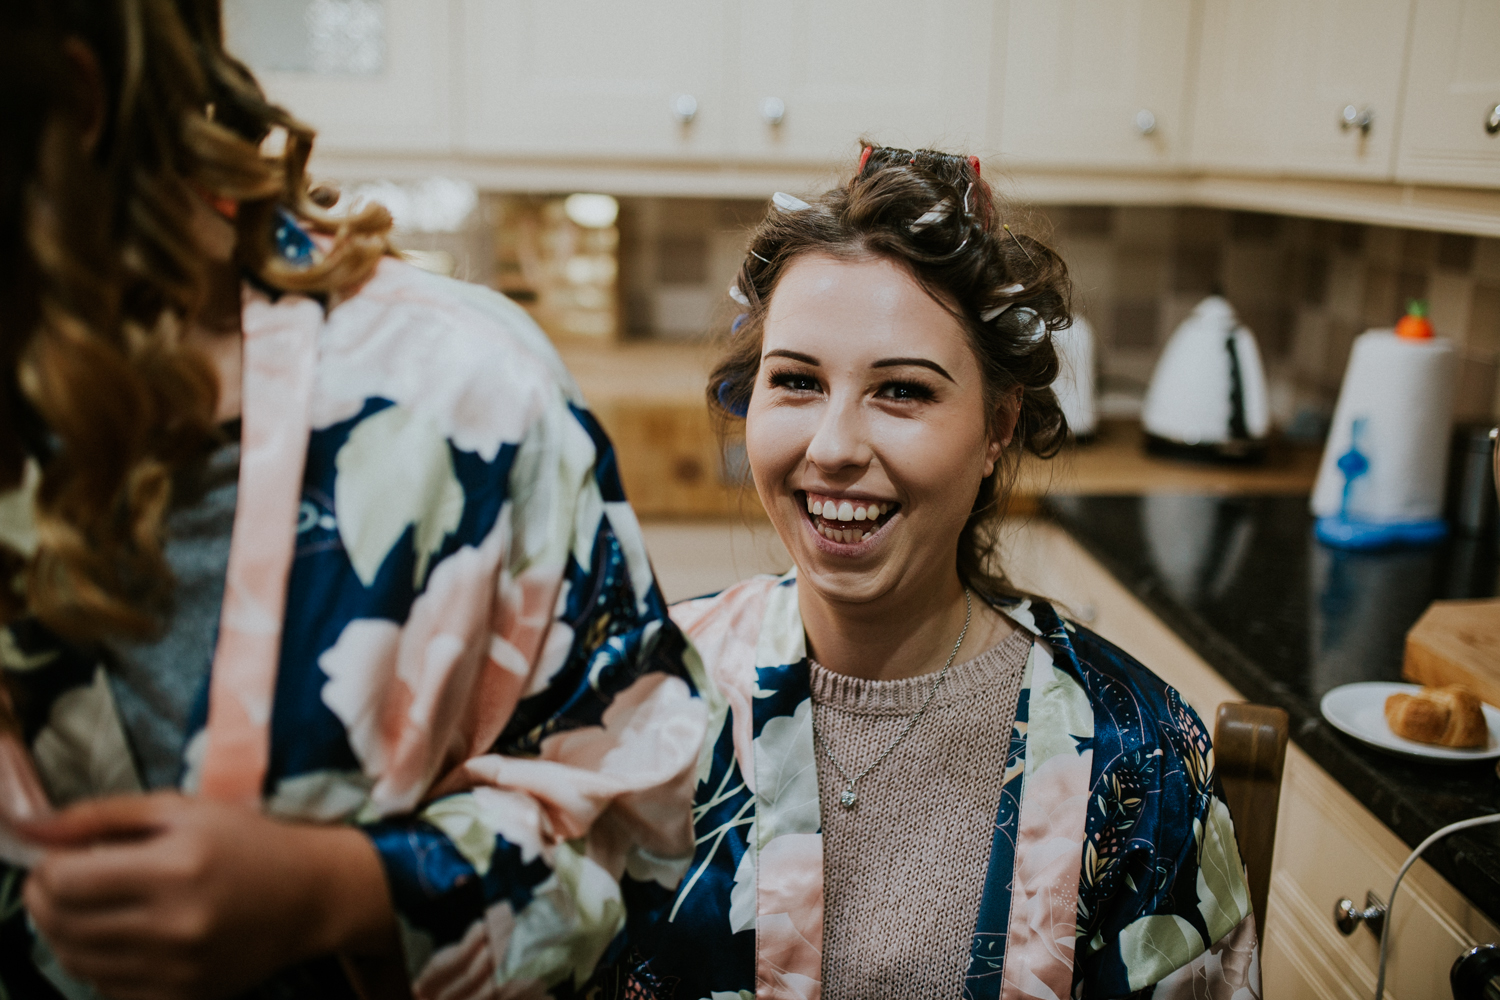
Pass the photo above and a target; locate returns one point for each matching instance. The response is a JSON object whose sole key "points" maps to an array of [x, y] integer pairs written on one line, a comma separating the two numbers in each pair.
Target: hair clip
{"points": [[991, 314], [974, 162], [725, 395], [788, 203], [1006, 227], [937, 213], [864, 158], [738, 296], [739, 321], [759, 257]]}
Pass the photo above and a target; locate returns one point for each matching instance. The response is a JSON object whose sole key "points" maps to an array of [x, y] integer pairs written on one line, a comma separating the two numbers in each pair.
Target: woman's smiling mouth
{"points": [[847, 520]]}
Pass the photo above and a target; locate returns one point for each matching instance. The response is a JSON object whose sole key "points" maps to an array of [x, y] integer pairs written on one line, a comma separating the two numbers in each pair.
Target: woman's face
{"points": [[867, 431]]}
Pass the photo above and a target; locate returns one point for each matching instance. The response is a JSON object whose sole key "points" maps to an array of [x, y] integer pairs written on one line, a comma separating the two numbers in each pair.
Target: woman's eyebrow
{"points": [[806, 359], [919, 362]]}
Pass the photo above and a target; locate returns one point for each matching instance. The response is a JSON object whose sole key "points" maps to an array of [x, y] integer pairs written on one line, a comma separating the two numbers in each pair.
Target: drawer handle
{"points": [[1145, 121], [685, 108], [1492, 123], [1348, 916]]}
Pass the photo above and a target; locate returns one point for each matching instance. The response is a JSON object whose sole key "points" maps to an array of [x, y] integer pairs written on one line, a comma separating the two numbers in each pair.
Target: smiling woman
{"points": [[922, 782]]}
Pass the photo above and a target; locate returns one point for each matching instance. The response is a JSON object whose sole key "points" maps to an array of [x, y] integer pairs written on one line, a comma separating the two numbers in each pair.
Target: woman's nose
{"points": [[840, 440]]}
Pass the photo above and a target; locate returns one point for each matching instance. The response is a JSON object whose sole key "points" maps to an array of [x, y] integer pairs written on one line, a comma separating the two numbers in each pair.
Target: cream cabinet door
{"points": [[1096, 83], [816, 75], [1450, 131], [373, 76], [594, 78], [1274, 77]]}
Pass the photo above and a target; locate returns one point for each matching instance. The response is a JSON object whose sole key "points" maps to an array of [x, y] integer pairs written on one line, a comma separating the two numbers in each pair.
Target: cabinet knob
{"points": [[773, 110], [685, 107], [1145, 121], [1492, 123], [1360, 118]]}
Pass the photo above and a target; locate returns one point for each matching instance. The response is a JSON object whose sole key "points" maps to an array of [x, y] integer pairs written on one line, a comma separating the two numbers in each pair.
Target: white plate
{"points": [[1359, 710]]}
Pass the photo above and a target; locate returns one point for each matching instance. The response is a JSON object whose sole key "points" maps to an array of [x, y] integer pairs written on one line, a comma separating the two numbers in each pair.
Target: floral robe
{"points": [[1113, 870], [439, 624]]}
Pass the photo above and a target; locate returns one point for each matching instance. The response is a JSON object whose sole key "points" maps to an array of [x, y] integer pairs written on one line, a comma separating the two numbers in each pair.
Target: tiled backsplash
{"points": [[1306, 287]]}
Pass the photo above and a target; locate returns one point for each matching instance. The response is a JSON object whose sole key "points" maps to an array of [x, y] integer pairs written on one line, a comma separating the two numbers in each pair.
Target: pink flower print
{"points": [[405, 693], [789, 924], [1228, 970], [637, 767], [725, 630], [515, 667], [466, 970], [407, 337], [1049, 845]]}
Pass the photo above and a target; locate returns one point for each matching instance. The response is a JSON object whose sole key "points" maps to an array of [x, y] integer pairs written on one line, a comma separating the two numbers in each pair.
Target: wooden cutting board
{"points": [[1457, 642]]}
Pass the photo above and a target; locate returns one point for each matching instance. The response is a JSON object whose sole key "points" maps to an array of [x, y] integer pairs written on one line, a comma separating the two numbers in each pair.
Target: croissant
{"points": [[1449, 716]]}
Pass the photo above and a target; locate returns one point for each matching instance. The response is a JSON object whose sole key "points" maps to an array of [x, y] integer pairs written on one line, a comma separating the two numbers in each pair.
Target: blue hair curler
{"points": [[725, 393], [739, 321]]}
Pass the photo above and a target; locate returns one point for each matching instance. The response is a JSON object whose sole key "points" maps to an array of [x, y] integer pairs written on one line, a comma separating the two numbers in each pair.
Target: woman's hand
{"points": [[162, 896]]}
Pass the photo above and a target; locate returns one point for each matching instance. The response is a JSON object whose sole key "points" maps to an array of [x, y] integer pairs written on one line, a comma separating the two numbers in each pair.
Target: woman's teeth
{"points": [[843, 510], [846, 512]]}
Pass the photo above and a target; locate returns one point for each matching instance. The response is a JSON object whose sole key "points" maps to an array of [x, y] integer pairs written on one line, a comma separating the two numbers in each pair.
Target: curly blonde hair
{"points": [[98, 380]]}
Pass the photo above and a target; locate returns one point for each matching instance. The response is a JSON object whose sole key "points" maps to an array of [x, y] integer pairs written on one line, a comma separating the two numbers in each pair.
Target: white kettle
{"points": [[1207, 397]]}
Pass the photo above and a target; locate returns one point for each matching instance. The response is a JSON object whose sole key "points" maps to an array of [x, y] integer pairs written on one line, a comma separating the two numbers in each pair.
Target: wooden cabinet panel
{"points": [[903, 72], [403, 106], [591, 79], [1274, 76], [1096, 83], [1328, 846], [1452, 87]]}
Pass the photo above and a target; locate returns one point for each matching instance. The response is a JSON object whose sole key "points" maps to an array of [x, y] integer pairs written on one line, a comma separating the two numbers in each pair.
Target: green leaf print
{"points": [[395, 470], [1223, 896], [1154, 946]]}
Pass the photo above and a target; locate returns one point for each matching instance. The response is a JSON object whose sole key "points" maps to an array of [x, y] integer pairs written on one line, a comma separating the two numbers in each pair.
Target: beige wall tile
{"points": [[1484, 320], [1449, 296]]}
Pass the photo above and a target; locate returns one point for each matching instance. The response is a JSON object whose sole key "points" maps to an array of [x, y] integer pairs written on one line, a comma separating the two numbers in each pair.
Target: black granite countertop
{"points": [[1285, 619]]}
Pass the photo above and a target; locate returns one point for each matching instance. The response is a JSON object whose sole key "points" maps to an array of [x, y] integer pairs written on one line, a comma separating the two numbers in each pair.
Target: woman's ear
{"points": [[1006, 416], [88, 97]]}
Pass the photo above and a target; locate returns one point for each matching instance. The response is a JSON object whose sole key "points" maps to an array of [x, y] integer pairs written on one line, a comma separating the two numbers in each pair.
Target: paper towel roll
{"points": [[1395, 412]]}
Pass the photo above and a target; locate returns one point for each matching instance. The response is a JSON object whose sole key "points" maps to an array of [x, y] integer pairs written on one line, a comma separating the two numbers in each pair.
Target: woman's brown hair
{"points": [[930, 213], [97, 382]]}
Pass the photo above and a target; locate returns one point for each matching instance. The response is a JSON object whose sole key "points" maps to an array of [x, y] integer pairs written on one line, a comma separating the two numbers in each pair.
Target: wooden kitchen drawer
{"points": [[1328, 846], [670, 460]]}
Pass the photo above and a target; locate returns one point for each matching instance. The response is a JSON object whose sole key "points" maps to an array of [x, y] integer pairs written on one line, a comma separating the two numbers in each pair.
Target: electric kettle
{"points": [[1207, 397]]}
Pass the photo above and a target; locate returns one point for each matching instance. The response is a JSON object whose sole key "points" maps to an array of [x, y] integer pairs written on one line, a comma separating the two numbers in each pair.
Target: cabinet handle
{"points": [[1145, 121], [1347, 916], [773, 110], [1360, 118], [685, 107], [1492, 123]]}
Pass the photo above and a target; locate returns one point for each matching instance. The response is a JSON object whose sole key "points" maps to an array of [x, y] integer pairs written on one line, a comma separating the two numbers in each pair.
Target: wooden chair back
{"points": [[1249, 754]]}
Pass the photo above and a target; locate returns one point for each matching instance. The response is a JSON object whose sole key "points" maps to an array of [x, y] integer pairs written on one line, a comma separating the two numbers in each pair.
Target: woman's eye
{"points": [[794, 382], [905, 391]]}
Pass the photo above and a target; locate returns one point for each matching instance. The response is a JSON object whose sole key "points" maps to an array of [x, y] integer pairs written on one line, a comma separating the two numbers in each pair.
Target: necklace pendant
{"points": [[848, 798]]}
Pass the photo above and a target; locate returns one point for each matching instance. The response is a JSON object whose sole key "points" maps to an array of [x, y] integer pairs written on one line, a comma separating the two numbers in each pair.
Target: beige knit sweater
{"points": [[903, 869]]}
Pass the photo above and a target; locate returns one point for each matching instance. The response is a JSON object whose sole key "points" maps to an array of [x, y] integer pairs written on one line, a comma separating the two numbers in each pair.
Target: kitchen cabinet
{"points": [[1275, 79], [372, 76], [816, 75], [1328, 845], [1095, 83], [581, 78], [1450, 133]]}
